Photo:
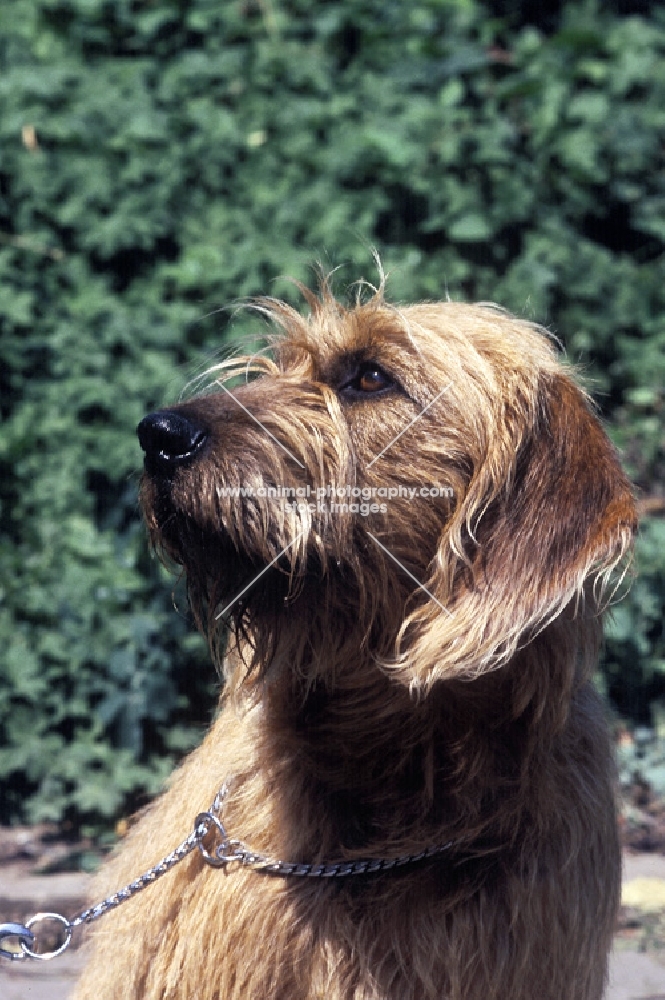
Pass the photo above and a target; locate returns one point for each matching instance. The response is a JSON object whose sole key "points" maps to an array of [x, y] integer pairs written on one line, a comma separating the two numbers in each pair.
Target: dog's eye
{"points": [[369, 378]]}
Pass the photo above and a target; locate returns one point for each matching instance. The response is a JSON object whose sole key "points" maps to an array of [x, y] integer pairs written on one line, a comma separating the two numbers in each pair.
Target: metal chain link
{"points": [[225, 852], [25, 936]]}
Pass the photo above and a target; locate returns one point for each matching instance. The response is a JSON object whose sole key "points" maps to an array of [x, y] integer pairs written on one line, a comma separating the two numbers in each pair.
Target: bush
{"points": [[160, 161]]}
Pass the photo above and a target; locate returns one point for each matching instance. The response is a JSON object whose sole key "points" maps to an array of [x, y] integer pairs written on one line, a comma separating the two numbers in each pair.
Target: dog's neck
{"points": [[374, 758], [353, 743]]}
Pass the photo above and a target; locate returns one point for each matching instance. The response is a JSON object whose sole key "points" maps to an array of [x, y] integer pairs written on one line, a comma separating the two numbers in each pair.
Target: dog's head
{"points": [[427, 483]]}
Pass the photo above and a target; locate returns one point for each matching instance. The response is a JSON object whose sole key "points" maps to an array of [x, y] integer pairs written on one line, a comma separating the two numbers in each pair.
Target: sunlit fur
{"points": [[366, 716]]}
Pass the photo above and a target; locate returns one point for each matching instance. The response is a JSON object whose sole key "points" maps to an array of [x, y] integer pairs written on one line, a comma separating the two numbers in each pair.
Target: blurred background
{"points": [[161, 159]]}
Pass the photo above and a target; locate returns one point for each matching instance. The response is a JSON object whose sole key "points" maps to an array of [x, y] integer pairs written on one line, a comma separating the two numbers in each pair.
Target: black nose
{"points": [[170, 438]]}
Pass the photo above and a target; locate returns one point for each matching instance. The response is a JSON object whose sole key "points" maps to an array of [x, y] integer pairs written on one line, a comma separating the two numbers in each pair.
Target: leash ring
{"points": [[45, 956], [208, 823]]}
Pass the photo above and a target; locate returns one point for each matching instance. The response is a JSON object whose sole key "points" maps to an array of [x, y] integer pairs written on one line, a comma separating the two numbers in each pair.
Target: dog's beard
{"points": [[254, 575], [272, 571]]}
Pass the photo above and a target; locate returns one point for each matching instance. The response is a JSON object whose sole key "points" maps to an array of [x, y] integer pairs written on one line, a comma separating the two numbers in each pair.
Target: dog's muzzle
{"points": [[169, 438]]}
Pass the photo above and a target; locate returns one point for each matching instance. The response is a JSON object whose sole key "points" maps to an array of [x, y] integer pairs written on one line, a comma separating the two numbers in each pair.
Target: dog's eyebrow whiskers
{"points": [[410, 424], [259, 575], [251, 360], [401, 565], [229, 356], [242, 365], [257, 421]]}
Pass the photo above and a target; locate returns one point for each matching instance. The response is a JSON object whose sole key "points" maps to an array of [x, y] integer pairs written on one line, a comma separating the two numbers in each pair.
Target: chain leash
{"points": [[220, 853]]}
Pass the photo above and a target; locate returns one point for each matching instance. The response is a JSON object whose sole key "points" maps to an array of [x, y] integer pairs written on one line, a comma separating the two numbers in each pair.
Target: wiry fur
{"points": [[360, 718]]}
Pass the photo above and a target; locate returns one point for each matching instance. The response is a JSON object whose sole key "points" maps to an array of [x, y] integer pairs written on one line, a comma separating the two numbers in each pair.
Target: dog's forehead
{"points": [[332, 335], [370, 333], [423, 342]]}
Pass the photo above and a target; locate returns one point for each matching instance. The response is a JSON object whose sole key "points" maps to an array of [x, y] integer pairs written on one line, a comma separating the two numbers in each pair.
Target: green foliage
{"points": [[160, 160], [634, 668]]}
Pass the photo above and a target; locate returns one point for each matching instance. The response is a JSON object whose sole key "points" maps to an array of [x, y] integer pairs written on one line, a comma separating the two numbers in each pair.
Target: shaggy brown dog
{"points": [[411, 675]]}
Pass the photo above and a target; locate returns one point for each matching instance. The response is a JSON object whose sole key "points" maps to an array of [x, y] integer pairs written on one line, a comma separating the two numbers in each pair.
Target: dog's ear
{"points": [[547, 517]]}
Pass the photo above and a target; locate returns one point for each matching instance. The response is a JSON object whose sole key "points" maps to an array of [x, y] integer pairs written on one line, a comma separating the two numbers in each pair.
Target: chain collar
{"points": [[219, 851], [228, 851]]}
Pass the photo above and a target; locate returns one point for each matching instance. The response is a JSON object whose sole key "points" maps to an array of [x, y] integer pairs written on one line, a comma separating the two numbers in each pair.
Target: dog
{"points": [[407, 518]]}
